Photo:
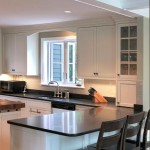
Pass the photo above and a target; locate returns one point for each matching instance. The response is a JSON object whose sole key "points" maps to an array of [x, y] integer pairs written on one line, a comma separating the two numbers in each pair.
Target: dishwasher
{"points": [[58, 107]]}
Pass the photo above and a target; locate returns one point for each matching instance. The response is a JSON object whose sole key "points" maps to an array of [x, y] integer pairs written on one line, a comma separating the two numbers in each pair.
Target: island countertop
{"points": [[73, 123]]}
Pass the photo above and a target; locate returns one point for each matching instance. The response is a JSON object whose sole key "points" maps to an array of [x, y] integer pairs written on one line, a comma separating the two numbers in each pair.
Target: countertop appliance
{"points": [[12, 86], [58, 107]]}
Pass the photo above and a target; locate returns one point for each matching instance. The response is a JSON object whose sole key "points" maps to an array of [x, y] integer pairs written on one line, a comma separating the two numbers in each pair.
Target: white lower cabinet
{"points": [[5, 128], [126, 93], [32, 108], [38, 107], [24, 111]]}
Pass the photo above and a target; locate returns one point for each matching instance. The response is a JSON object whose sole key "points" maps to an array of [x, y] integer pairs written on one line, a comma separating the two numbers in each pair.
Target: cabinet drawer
{"points": [[38, 111], [40, 104]]}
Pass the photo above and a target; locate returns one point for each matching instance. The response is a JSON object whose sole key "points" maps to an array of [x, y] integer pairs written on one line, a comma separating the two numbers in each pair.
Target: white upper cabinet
{"points": [[86, 52], [106, 52], [0, 52], [127, 51], [96, 52], [19, 54], [9, 53]]}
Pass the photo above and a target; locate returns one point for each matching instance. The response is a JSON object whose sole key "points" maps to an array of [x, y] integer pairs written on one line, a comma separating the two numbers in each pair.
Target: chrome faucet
{"points": [[56, 93]]}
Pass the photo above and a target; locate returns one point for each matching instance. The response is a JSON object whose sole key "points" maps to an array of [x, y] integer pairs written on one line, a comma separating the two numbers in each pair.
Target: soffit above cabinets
{"points": [[31, 12]]}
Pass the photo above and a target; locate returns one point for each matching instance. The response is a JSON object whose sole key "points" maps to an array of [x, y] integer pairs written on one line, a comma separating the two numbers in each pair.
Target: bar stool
{"points": [[133, 129], [145, 144], [110, 135]]}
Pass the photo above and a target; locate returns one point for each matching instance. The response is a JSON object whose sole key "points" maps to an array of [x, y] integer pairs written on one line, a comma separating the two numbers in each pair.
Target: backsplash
{"points": [[105, 87], [5, 77]]}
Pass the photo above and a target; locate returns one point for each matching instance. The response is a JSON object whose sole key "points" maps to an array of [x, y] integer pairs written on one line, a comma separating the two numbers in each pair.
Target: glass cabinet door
{"points": [[128, 50]]}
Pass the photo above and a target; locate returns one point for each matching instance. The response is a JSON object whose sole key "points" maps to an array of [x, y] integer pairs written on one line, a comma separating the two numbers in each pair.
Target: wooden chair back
{"points": [[133, 128], [145, 143], [111, 133]]}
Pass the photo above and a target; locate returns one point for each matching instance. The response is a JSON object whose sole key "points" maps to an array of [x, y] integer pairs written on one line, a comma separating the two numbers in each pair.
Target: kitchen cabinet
{"points": [[32, 108], [127, 64], [0, 51], [127, 51], [20, 54], [126, 93], [39, 107], [96, 52], [5, 128], [24, 111]]}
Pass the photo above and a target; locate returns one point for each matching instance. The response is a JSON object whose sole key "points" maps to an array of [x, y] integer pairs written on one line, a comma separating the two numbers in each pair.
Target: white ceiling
{"points": [[28, 12]]}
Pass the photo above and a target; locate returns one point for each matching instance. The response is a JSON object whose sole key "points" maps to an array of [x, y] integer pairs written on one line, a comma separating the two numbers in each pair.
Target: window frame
{"points": [[45, 75]]}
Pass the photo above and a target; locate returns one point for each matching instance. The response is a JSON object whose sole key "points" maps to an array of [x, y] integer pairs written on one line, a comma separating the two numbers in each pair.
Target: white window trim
{"points": [[44, 59]]}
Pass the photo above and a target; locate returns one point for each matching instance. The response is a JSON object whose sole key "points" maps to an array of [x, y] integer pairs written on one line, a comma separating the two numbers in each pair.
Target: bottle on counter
{"points": [[66, 94]]}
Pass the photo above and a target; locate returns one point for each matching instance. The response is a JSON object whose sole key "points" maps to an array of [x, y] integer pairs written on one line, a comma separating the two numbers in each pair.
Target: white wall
{"points": [[146, 65]]}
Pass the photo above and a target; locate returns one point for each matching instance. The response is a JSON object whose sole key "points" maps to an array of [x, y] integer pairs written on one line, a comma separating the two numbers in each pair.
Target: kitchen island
{"points": [[62, 131], [8, 110]]}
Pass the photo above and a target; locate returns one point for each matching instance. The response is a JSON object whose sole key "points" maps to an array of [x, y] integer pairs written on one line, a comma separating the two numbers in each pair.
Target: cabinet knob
{"points": [[13, 70], [118, 74], [95, 73]]}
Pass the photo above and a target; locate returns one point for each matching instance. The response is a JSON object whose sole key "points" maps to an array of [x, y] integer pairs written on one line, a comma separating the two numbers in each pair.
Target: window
{"points": [[58, 61]]}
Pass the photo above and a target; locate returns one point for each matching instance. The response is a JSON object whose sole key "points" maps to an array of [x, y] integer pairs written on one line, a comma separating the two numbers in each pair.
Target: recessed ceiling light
{"points": [[67, 11]]}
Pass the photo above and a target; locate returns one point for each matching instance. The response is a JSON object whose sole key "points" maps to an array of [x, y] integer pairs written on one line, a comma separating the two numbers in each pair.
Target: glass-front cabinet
{"points": [[127, 65], [127, 51]]}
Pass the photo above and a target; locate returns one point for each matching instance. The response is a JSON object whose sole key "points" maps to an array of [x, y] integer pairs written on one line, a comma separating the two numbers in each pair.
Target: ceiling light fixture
{"points": [[107, 8], [67, 11]]}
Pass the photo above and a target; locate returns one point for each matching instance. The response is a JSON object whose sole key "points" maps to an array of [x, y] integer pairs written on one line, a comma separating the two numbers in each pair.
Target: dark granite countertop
{"points": [[78, 100], [73, 123]]}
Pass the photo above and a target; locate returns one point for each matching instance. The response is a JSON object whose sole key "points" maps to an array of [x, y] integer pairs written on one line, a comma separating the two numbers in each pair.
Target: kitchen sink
{"points": [[50, 98]]}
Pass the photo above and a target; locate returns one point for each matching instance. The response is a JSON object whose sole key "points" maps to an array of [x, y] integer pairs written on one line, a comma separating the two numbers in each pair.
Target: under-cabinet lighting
{"points": [[5, 77]]}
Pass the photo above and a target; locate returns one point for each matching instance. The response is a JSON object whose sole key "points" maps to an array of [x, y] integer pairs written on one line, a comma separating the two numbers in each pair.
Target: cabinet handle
{"points": [[37, 111], [13, 70], [95, 73]]}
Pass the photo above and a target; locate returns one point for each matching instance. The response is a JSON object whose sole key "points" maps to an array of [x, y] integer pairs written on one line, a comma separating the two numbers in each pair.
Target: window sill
{"points": [[65, 86]]}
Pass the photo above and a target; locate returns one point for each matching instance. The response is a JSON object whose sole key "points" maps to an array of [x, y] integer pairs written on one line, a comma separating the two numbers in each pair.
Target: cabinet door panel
{"points": [[106, 52], [5, 129], [0, 51], [9, 53], [15, 53], [21, 54], [126, 93], [127, 51], [86, 54]]}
